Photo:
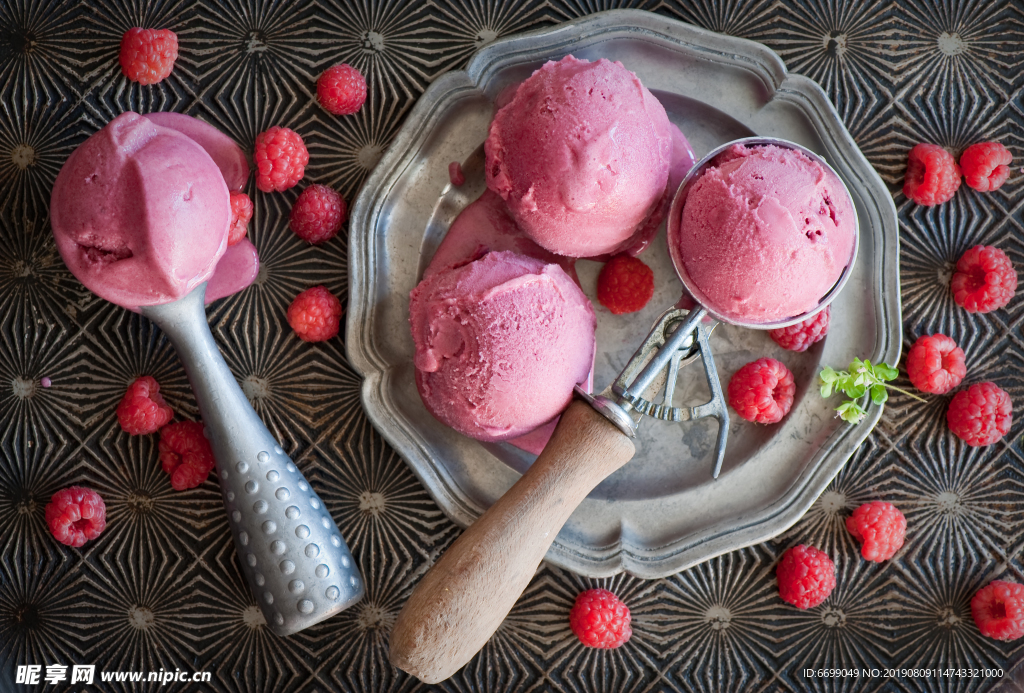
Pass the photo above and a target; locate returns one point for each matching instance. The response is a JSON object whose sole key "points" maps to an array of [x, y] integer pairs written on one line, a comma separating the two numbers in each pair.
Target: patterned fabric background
{"points": [[162, 589]]}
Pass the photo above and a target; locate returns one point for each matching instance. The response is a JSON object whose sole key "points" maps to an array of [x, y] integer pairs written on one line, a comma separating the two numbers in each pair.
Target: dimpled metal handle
{"points": [[291, 552]]}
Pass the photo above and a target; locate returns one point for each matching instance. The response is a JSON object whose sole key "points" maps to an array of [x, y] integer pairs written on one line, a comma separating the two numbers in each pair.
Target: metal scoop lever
{"points": [[678, 338], [290, 550]]}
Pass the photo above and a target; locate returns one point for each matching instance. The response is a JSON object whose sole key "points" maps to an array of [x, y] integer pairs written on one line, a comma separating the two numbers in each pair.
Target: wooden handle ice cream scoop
{"points": [[466, 595]]}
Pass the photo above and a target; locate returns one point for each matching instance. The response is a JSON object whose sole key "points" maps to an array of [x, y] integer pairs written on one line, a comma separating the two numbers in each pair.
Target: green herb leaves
{"points": [[861, 379]]}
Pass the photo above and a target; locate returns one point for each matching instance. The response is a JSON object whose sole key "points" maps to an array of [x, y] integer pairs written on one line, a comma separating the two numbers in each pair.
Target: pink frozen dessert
{"points": [[500, 343], [140, 213], [765, 234], [581, 155]]}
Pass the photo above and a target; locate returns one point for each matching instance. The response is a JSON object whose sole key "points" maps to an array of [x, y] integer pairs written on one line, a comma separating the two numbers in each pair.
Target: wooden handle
{"points": [[466, 595]]}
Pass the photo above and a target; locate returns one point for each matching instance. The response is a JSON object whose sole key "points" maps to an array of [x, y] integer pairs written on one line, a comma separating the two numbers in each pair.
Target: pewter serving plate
{"points": [[662, 512]]}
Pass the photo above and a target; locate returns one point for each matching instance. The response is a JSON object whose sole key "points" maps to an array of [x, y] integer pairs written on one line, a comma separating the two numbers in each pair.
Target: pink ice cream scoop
{"points": [[500, 343], [765, 233], [581, 155], [140, 213]]}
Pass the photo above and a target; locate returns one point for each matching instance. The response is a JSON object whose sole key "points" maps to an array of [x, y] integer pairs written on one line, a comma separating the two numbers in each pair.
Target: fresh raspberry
{"points": [[932, 175], [980, 415], [984, 280], [317, 214], [801, 336], [625, 284], [280, 159], [998, 610], [75, 515], [762, 391], [880, 528], [148, 55], [185, 454], [806, 576], [600, 619], [241, 213], [143, 410], [935, 364], [341, 90], [986, 166], [315, 314]]}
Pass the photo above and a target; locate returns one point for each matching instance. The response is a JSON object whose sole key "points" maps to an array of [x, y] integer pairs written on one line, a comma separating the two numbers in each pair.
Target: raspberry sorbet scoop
{"points": [[581, 156], [500, 343], [140, 213], [764, 234]]}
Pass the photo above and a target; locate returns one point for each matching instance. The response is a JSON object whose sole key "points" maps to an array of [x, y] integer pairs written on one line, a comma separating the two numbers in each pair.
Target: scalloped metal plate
{"points": [[662, 512]]}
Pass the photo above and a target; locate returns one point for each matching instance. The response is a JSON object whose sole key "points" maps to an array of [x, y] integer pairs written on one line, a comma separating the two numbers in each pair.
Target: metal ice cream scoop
{"points": [[466, 595], [290, 550]]}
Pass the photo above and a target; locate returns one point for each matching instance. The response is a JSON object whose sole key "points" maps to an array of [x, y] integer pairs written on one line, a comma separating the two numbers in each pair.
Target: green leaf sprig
{"points": [[862, 378]]}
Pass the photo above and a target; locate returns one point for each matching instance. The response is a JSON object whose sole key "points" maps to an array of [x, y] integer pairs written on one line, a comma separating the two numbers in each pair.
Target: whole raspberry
{"points": [[280, 159], [980, 415], [341, 90], [600, 619], [317, 214], [75, 515], [241, 213], [143, 410], [147, 55], [935, 364], [762, 391], [185, 454], [806, 576], [880, 527], [801, 336], [315, 314], [625, 284], [932, 175], [986, 166], [998, 610], [984, 280]]}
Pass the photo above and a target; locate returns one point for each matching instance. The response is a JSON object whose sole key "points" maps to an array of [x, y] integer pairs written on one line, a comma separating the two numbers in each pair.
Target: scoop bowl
{"points": [[674, 223]]}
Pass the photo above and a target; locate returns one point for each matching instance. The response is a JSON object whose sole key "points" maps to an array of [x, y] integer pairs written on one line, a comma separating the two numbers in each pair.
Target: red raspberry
{"points": [[280, 159], [984, 280], [801, 336], [148, 55], [762, 391], [935, 364], [600, 619], [341, 90], [315, 314], [806, 576], [241, 213], [880, 528], [998, 610], [75, 515], [143, 410], [317, 214], [932, 175], [986, 166], [980, 415], [185, 454], [625, 284]]}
